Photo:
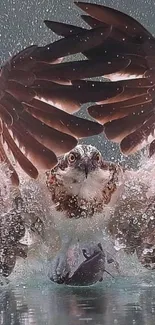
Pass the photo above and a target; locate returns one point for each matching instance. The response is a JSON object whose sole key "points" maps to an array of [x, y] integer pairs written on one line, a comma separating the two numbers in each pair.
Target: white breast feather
{"points": [[86, 188]]}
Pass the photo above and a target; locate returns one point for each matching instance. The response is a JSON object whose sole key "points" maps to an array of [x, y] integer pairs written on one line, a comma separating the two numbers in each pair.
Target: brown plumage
{"points": [[129, 115], [75, 205], [39, 93], [35, 90]]}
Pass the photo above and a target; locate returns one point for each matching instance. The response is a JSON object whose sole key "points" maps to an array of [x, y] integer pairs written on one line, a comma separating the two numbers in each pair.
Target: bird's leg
{"points": [[90, 243], [91, 250], [59, 267], [63, 265]]}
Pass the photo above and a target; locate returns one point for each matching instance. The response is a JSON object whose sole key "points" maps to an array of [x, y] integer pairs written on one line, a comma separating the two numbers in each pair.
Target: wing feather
{"points": [[34, 80], [39, 93], [24, 162], [113, 17], [128, 118]]}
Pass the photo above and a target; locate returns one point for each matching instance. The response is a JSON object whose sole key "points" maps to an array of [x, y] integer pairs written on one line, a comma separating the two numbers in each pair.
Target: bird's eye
{"points": [[71, 158], [98, 157]]}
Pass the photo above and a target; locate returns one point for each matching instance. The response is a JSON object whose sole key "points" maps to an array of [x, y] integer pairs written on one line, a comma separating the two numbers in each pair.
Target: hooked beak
{"points": [[86, 170], [86, 167]]}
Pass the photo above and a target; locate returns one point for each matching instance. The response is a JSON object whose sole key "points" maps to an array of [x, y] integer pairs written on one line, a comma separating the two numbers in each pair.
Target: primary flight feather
{"points": [[128, 111]]}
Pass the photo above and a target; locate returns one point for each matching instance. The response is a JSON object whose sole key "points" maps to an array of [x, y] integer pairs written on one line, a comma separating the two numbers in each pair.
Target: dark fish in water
{"points": [[89, 272], [128, 111]]}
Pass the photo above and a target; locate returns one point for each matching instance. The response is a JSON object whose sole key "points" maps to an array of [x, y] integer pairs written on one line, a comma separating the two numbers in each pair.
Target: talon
{"points": [[59, 271], [92, 251], [100, 246], [110, 260], [85, 254]]}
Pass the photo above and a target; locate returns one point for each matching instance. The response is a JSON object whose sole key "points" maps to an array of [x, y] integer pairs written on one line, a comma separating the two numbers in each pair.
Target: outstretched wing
{"points": [[128, 116], [37, 100]]}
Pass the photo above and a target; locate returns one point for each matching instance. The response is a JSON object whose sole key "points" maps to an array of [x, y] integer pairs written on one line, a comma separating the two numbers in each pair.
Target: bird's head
{"points": [[84, 159], [82, 181], [81, 172]]}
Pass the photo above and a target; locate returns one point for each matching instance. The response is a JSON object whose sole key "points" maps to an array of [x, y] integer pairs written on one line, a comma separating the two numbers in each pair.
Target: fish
{"points": [[89, 272]]}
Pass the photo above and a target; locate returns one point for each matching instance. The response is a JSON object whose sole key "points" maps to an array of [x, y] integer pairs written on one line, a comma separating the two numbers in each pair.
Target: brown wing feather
{"points": [[92, 22], [29, 79], [129, 117], [118, 130], [60, 120], [63, 29], [81, 69], [25, 164], [113, 17], [140, 138], [72, 44], [109, 112], [43, 157], [5, 159]]}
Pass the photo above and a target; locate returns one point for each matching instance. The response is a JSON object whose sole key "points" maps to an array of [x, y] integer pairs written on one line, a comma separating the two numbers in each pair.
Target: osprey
{"points": [[73, 213], [93, 197], [35, 88], [85, 189], [67, 209]]}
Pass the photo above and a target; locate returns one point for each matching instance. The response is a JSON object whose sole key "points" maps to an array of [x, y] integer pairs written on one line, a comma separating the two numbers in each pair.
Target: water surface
{"points": [[122, 301]]}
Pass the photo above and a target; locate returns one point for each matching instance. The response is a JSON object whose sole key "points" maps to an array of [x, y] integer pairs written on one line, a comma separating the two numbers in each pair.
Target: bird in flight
{"points": [[64, 211], [128, 112], [39, 94]]}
